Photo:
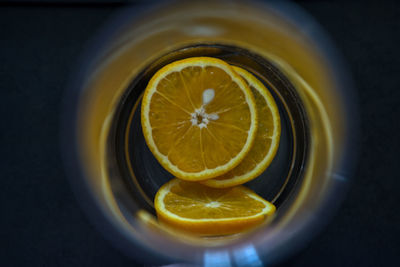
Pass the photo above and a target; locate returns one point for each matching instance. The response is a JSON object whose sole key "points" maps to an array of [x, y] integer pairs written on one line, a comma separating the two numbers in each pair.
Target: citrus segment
{"points": [[266, 141], [202, 210], [199, 118]]}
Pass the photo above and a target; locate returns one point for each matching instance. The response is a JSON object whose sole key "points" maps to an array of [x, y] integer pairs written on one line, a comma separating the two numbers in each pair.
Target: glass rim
{"points": [[95, 51]]}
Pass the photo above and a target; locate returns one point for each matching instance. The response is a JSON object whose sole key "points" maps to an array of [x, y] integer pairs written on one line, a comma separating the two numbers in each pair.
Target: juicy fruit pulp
{"points": [[266, 141], [199, 118], [196, 208]]}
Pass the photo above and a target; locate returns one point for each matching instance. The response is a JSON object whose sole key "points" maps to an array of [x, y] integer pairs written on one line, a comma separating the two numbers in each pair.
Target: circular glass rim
{"points": [[99, 47]]}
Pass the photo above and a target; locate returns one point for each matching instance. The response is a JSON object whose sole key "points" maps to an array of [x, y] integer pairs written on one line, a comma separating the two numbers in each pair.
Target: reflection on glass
{"points": [[116, 176]]}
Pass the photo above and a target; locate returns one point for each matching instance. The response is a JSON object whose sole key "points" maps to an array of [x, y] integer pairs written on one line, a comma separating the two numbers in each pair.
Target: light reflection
{"points": [[216, 258], [247, 256]]}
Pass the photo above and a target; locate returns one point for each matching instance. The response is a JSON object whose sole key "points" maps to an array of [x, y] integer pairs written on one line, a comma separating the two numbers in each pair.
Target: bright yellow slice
{"points": [[202, 210], [266, 142], [199, 118]]}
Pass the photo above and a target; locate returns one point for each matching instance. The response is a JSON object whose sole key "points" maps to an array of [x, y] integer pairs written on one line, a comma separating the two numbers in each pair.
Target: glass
{"points": [[115, 175]]}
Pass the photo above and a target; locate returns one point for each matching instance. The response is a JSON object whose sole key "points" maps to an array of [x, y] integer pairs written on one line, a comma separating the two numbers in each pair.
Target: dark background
{"points": [[41, 223]]}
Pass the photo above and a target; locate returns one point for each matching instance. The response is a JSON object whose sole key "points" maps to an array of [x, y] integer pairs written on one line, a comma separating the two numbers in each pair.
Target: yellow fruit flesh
{"points": [[207, 211], [192, 132], [266, 140], [200, 202]]}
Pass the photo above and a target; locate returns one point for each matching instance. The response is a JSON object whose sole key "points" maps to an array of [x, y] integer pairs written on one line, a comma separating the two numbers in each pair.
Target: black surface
{"points": [[41, 223]]}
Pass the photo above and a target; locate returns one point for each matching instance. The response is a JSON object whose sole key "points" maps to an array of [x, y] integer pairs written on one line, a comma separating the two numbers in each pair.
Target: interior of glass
{"points": [[263, 30]]}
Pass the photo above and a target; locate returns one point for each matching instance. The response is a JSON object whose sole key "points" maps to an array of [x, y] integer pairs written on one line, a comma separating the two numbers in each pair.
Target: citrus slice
{"points": [[199, 118], [196, 208], [266, 141]]}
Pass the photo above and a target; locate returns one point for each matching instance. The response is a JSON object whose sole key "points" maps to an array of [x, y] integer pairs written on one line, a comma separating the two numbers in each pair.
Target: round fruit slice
{"points": [[202, 210], [198, 117], [266, 141]]}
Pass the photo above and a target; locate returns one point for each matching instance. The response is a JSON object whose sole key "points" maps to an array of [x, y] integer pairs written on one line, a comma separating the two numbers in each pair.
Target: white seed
{"points": [[213, 116], [193, 121], [202, 125], [208, 96]]}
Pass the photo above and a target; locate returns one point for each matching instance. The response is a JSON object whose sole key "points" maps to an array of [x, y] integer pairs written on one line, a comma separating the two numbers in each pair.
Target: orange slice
{"points": [[266, 141], [202, 210], [199, 118]]}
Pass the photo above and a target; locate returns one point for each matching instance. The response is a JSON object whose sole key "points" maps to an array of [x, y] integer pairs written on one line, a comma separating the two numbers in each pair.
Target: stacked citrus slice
{"points": [[196, 208], [199, 118], [207, 121]]}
